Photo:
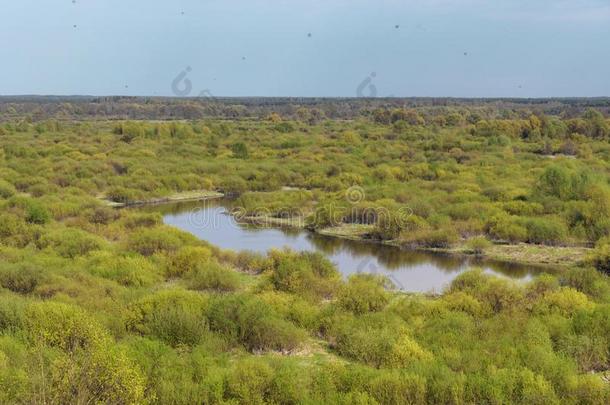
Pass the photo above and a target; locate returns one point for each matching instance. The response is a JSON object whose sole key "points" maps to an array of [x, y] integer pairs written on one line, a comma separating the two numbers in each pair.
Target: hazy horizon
{"points": [[281, 48]]}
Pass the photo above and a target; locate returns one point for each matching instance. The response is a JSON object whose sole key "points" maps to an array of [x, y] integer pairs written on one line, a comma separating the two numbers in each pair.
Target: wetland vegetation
{"points": [[107, 305]]}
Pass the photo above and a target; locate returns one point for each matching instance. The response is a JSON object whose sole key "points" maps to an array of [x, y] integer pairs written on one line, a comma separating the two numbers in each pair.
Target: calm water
{"points": [[409, 270]]}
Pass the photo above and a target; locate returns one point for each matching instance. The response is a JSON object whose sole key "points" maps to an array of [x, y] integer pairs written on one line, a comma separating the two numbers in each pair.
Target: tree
{"points": [[597, 127]]}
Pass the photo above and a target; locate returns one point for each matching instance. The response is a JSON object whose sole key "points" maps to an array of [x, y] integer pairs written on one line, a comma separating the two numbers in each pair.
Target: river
{"points": [[410, 271]]}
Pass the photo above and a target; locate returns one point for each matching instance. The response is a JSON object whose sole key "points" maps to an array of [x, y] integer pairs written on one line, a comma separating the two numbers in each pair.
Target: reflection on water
{"points": [[409, 270]]}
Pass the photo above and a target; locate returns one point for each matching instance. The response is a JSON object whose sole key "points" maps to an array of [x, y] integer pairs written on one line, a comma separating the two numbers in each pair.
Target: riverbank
{"points": [[178, 197], [522, 253]]}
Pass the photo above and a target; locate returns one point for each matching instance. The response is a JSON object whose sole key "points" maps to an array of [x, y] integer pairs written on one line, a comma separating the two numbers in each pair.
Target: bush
{"points": [[460, 301], [431, 238], [130, 271], [388, 226], [103, 374], [213, 276], [395, 388], [175, 316], [102, 215], [36, 214], [7, 190], [372, 339], [122, 195], [64, 326], [250, 382], [496, 293], [132, 220], [240, 150], [253, 323], [251, 262], [34, 211], [310, 275], [21, 278], [364, 293], [71, 242], [149, 241], [601, 256], [588, 281], [187, 259], [506, 228], [565, 301], [12, 313], [478, 244], [549, 231]]}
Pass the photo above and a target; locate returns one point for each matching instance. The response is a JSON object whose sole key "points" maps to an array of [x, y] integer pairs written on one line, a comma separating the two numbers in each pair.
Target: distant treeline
{"points": [[38, 108]]}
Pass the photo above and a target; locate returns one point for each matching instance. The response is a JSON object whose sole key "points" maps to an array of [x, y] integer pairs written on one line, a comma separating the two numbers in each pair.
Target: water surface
{"points": [[412, 271]]}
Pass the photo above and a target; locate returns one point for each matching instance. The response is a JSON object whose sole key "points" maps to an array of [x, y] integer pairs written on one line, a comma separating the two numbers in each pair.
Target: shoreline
{"points": [[541, 256], [174, 198]]}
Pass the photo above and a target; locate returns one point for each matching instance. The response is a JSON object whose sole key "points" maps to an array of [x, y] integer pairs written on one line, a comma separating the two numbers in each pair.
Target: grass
{"points": [[182, 196], [538, 254], [347, 231]]}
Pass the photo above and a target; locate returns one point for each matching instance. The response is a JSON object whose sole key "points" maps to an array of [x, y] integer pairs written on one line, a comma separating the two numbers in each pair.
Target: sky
{"points": [[306, 48]]}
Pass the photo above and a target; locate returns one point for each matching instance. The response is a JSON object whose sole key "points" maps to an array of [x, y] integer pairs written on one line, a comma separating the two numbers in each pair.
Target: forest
{"points": [[101, 302]]}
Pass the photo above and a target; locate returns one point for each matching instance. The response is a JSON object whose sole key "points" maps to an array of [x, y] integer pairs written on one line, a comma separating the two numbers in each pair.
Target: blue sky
{"points": [[460, 48]]}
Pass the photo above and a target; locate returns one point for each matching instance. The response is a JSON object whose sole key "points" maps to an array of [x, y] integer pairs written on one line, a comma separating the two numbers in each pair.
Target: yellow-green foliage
{"points": [[187, 259], [566, 301], [364, 293], [175, 316], [99, 305]]}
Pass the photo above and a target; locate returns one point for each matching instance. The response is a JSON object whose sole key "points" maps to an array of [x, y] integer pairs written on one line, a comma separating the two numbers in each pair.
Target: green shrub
{"points": [[430, 238], [253, 323], [34, 210], [364, 293], [122, 195], [102, 215], [310, 275], [565, 301], [213, 276], [149, 241], [460, 301], [588, 281], [102, 374], [240, 150], [496, 293], [250, 382], [12, 313], [396, 388], [478, 244], [7, 190], [15, 384], [175, 316], [251, 262], [132, 220], [187, 259], [388, 226], [71, 242], [507, 228], [601, 256], [64, 326], [20, 278], [374, 339], [548, 231], [130, 271]]}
